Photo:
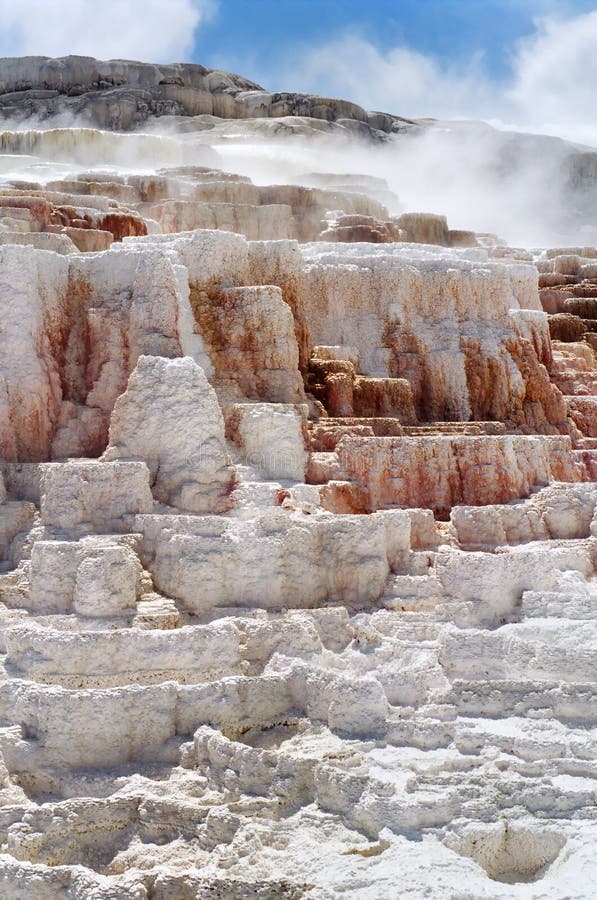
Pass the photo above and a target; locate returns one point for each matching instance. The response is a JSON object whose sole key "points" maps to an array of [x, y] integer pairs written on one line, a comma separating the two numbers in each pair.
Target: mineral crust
{"points": [[298, 519]]}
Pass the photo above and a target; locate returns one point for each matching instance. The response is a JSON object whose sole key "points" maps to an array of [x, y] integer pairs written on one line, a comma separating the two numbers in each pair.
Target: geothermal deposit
{"points": [[298, 525]]}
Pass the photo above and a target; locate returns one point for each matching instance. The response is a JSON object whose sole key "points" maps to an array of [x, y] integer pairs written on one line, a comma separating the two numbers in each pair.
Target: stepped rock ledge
{"points": [[298, 511]]}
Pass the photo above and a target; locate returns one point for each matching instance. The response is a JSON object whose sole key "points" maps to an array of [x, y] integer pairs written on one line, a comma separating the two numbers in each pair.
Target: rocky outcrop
{"points": [[250, 333], [556, 512], [207, 563], [122, 95], [271, 436], [91, 577], [344, 393], [72, 333], [441, 472], [87, 496], [473, 362], [170, 418], [354, 229], [35, 310], [92, 224], [571, 301]]}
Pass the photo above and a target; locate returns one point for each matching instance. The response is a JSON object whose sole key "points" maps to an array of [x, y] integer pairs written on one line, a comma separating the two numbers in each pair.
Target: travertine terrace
{"points": [[298, 523]]}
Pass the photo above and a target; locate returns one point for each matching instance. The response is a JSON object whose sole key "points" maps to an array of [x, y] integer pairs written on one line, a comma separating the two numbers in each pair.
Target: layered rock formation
{"points": [[121, 95], [297, 530]]}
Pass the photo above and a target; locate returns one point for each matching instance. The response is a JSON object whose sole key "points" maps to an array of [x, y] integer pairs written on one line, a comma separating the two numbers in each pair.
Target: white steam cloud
{"points": [[151, 30], [517, 186], [555, 84], [551, 88]]}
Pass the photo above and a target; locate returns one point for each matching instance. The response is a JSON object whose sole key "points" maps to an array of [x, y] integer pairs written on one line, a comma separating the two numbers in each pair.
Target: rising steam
{"points": [[530, 190]]}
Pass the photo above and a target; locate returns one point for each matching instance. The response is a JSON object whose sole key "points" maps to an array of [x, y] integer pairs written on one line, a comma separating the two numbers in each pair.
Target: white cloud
{"points": [[551, 87], [148, 30], [555, 77], [401, 81]]}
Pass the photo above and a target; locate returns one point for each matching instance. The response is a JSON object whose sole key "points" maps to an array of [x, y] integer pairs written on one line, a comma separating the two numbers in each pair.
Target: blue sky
{"points": [[255, 37]]}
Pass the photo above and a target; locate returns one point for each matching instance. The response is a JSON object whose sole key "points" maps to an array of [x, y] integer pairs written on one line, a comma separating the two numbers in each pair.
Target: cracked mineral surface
{"points": [[298, 514]]}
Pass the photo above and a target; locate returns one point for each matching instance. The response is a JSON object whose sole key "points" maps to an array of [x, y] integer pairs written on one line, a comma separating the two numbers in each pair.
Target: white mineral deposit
{"points": [[298, 507]]}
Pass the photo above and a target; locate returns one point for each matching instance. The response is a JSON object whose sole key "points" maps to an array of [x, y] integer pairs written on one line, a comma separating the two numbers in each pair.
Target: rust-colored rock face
{"points": [[344, 393], [370, 323], [442, 471], [250, 335], [566, 327], [470, 340], [75, 330], [56, 211]]}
